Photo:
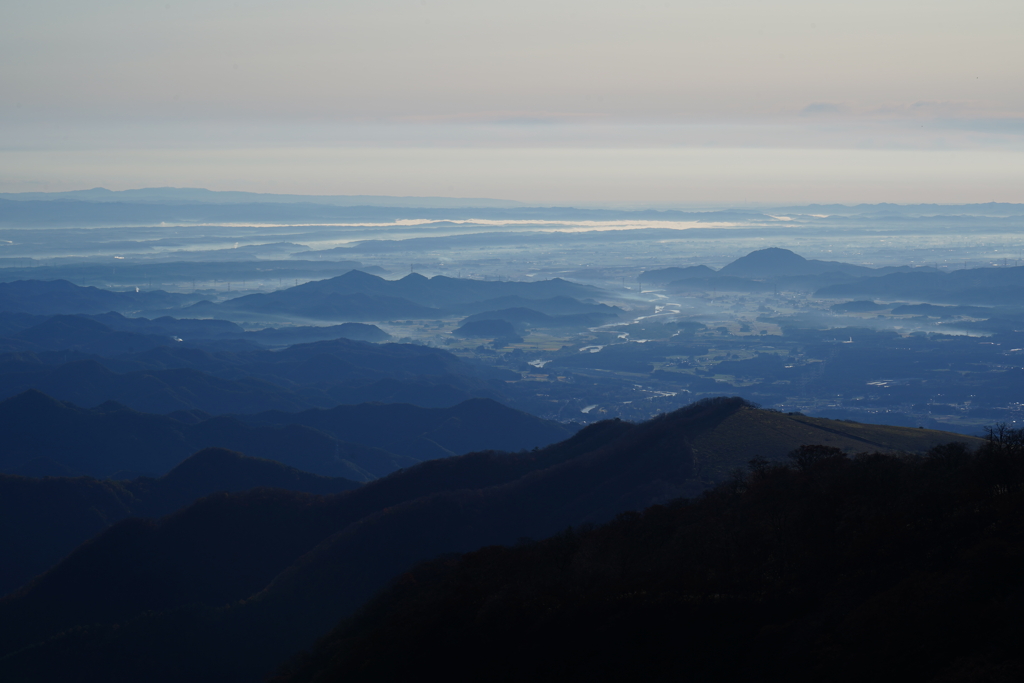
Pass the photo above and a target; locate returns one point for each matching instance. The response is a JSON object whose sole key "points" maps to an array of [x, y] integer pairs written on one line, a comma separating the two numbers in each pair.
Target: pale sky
{"points": [[692, 102]]}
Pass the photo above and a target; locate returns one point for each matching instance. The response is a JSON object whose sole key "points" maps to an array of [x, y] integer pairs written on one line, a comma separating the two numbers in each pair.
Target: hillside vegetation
{"points": [[878, 567], [45, 519]]}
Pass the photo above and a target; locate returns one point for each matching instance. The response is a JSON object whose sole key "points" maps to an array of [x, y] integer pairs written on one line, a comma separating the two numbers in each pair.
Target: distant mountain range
{"points": [[361, 296], [194, 591], [774, 268], [974, 286], [220, 369], [112, 334], [62, 297], [772, 262], [351, 297]]}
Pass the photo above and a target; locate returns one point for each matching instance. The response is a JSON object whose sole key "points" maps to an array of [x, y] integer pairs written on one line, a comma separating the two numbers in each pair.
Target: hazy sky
{"points": [[684, 102]]}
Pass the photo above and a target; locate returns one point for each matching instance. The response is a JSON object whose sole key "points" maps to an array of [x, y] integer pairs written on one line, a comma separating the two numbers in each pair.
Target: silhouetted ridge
{"points": [[62, 297], [48, 518], [366, 536], [102, 441], [880, 567], [361, 296], [426, 433]]}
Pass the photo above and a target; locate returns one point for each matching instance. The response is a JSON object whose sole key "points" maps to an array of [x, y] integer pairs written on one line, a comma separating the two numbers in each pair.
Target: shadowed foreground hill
{"points": [[228, 588], [45, 519], [876, 568]]}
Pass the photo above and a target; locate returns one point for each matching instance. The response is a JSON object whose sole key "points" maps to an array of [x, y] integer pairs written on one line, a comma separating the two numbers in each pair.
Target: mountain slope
{"points": [[79, 333], [772, 262], [357, 295], [62, 297], [749, 433], [45, 519], [373, 533], [111, 438], [838, 570], [473, 425], [359, 442], [90, 383]]}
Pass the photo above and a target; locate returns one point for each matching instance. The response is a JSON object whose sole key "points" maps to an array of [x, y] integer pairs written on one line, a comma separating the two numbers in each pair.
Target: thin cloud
{"points": [[505, 117], [818, 108]]}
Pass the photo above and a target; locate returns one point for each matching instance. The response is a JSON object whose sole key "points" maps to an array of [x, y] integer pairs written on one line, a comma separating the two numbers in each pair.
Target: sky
{"points": [[688, 102]]}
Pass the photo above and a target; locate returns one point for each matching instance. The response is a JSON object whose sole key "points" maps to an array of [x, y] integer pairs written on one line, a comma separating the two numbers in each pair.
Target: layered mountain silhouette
{"points": [[426, 433], [774, 262], [357, 295], [663, 276], [112, 334], [232, 599], [47, 518], [780, 266], [304, 334], [88, 383], [62, 297], [111, 438], [75, 333], [974, 286], [357, 442], [320, 374], [323, 362], [428, 392]]}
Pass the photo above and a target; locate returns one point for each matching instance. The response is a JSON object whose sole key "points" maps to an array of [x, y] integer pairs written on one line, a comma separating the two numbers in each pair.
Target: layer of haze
{"points": [[564, 100]]}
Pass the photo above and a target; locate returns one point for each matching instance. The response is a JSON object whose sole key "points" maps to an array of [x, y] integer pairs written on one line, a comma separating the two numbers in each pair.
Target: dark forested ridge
{"points": [[231, 586], [47, 518], [837, 569]]}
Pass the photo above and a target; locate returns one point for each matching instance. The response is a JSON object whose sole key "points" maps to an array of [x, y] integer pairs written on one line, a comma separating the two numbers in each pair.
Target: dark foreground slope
{"points": [[45, 519], [875, 568], [231, 586]]}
